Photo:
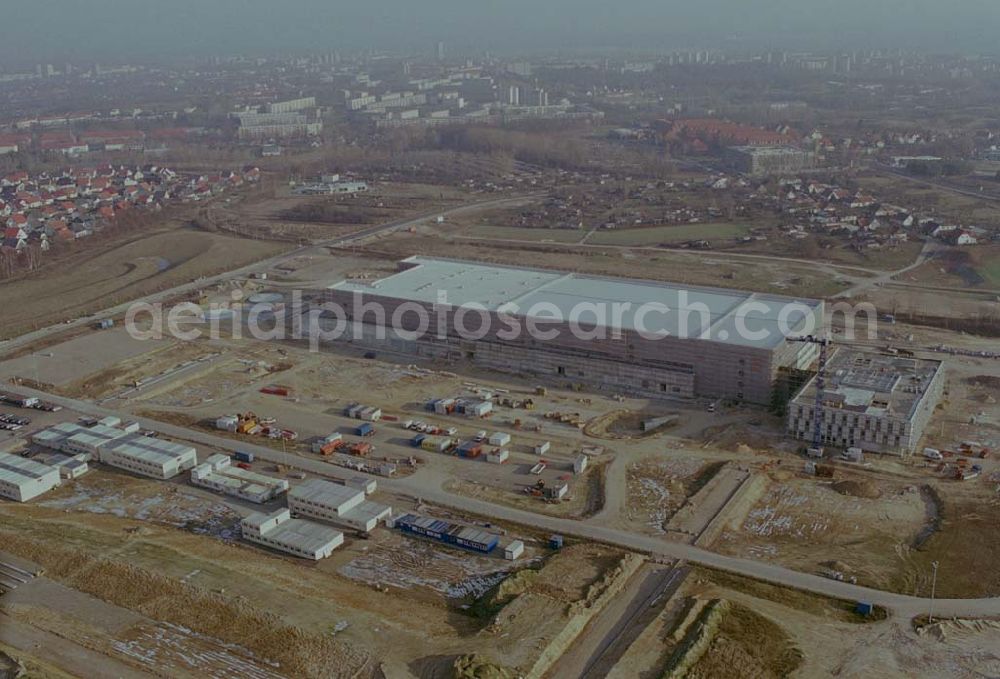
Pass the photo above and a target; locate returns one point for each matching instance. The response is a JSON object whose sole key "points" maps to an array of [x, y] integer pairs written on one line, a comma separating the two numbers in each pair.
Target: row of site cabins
{"points": [[122, 445], [430, 438]]}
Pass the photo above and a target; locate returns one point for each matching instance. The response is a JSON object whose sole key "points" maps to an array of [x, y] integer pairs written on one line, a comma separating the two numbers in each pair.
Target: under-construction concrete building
{"points": [[879, 403], [700, 342]]}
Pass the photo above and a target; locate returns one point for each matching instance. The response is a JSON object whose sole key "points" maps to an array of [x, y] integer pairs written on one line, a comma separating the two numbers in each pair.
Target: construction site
{"points": [[488, 521]]}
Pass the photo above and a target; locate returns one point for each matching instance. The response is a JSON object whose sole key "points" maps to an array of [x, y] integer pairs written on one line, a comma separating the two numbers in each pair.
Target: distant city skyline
{"points": [[60, 30]]}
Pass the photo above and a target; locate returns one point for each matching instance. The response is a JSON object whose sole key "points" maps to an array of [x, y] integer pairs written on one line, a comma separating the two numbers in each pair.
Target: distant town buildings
{"points": [[769, 160]]}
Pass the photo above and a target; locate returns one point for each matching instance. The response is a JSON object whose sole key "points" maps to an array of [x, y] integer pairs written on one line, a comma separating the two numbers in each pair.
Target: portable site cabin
{"points": [[498, 457], [514, 550], [499, 438]]}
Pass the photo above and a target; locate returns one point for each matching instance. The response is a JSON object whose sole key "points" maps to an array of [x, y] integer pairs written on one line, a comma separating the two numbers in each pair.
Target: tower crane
{"points": [[817, 415]]}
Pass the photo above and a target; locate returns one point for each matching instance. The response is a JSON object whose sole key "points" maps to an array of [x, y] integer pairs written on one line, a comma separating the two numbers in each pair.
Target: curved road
{"points": [[427, 485], [17, 342]]}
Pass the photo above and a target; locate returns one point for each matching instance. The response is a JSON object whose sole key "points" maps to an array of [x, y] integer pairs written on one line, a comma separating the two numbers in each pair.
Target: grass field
{"points": [[990, 271], [669, 234]]}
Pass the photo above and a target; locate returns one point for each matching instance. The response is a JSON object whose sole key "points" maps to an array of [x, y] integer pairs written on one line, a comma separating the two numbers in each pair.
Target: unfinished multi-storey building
{"points": [[640, 337], [877, 402]]}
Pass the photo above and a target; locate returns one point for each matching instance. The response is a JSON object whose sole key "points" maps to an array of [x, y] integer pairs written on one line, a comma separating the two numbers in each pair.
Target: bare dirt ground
{"points": [[659, 485], [123, 540], [832, 528], [67, 364]]}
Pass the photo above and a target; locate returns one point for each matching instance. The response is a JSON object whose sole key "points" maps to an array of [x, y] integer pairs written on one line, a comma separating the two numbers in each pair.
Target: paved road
{"points": [[260, 265], [427, 485], [926, 252], [609, 635]]}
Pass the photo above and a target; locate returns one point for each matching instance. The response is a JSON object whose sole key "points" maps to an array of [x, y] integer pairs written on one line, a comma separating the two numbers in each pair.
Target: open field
{"points": [[94, 280], [691, 267], [670, 234], [521, 233], [924, 198]]}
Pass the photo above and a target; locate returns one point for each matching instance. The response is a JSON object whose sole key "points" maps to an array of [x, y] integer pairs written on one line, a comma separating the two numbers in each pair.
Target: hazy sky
{"points": [[54, 30]]}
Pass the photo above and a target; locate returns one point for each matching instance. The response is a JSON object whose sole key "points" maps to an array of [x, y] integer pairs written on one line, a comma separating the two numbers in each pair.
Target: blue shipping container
{"points": [[243, 457], [364, 429], [417, 440], [556, 542]]}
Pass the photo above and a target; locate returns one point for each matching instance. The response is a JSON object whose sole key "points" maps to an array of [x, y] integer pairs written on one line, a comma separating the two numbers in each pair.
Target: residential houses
{"points": [[46, 208]]}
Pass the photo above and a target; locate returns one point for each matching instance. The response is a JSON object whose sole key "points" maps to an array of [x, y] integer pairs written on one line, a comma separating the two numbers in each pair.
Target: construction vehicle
{"points": [[535, 490]]}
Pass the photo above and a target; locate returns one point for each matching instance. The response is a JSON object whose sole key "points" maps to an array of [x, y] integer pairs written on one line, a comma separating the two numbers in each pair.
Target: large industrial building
{"points": [[337, 504], [876, 402], [217, 473], [280, 531], [22, 479], [717, 343]]}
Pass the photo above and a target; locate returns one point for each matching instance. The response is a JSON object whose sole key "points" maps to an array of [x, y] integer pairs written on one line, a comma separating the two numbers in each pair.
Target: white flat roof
{"points": [[492, 287], [325, 492], [366, 511], [241, 479], [57, 433], [298, 533], [17, 470], [305, 535], [149, 449]]}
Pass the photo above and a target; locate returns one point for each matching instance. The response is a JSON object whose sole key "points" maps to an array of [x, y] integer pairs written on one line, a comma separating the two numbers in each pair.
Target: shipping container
{"points": [[331, 447], [555, 541], [542, 448], [499, 438], [470, 449], [370, 414], [514, 550], [243, 457], [417, 440], [497, 457], [479, 409], [361, 449], [365, 429], [436, 444]]}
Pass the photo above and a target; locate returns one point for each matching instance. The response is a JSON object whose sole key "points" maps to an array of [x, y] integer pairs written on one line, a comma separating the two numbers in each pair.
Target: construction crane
{"points": [[817, 420]]}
